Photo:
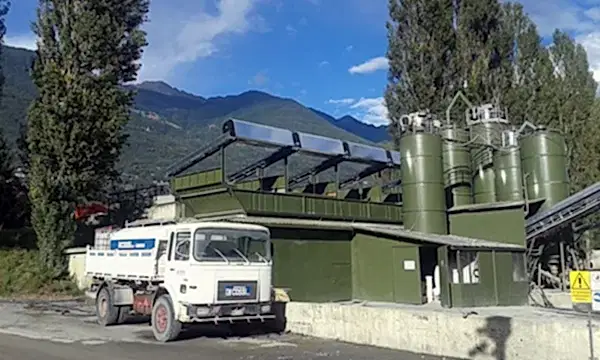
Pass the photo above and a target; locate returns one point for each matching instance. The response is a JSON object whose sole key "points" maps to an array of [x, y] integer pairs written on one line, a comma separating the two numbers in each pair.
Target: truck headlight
{"points": [[265, 309], [202, 311]]}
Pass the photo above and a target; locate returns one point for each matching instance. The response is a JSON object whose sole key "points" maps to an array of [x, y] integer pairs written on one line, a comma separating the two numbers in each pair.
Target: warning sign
{"points": [[581, 292]]}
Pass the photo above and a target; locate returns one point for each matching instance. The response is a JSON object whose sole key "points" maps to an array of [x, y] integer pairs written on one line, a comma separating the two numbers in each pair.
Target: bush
{"points": [[21, 275]]}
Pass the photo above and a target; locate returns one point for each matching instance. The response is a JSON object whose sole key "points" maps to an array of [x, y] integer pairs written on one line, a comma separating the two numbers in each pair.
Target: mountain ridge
{"points": [[168, 123]]}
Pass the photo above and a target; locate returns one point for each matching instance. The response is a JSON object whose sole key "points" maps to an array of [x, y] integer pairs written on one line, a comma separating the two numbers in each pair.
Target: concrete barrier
{"points": [[500, 333]]}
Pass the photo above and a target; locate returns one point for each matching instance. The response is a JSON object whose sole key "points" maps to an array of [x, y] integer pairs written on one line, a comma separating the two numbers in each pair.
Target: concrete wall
{"points": [[526, 334]]}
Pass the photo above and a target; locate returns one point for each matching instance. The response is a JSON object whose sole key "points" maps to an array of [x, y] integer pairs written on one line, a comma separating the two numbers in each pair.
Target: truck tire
{"points": [[164, 324], [106, 313]]}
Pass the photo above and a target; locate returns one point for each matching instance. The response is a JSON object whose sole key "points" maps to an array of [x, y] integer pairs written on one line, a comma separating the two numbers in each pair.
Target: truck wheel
{"points": [[164, 324], [106, 312]]}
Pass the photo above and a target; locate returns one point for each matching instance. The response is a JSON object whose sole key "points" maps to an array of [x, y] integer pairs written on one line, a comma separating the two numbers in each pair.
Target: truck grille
{"points": [[237, 290]]}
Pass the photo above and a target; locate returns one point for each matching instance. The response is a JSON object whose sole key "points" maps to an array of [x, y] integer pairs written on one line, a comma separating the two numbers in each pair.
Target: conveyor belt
{"points": [[565, 212]]}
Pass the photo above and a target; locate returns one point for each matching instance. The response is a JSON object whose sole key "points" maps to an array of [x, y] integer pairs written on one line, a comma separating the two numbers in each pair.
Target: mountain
{"points": [[168, 123], [376, 134]]}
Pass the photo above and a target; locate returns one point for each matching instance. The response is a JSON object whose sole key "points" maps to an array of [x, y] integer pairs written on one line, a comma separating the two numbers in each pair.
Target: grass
{"points": [[21, 277]]}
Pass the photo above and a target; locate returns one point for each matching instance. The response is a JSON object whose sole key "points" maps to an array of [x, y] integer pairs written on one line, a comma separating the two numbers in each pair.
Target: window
{"points": [[519, 271], [228, 245], [162, 248], [463, 265], [182, 246]]}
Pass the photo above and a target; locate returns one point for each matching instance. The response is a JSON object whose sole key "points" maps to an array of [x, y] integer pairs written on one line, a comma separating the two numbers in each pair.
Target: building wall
{"points": [[314, 264], [501, 225], [378, 271], [498, 284]]}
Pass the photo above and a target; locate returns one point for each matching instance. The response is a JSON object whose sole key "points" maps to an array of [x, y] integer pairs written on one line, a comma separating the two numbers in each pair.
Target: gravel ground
{"points": [[67, 331]]}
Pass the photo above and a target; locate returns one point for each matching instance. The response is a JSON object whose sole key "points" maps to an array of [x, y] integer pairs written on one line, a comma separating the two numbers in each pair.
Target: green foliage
{"points": [[13, 195], [422, 67], [22, 275], [75, 125]]}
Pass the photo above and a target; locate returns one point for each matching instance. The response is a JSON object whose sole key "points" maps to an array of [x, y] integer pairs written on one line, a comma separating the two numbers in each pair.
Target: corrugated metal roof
{"points": [[389, 230]]}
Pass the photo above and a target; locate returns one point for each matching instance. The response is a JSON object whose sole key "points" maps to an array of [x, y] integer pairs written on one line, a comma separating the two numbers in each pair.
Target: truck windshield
{"points": [[228, 245]]}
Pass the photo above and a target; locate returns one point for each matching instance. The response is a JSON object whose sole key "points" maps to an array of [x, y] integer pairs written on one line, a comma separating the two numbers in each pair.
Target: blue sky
{"points": [[327, 54]]}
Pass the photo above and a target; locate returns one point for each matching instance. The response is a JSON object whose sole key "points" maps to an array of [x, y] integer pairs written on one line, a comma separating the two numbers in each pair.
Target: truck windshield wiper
{"points": [[261, 257], [221, 255], [242, 255]]}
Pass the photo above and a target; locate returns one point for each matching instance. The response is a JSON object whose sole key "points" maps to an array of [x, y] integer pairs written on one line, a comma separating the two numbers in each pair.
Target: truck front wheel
{"points": [[106, 312], [164, 324]]}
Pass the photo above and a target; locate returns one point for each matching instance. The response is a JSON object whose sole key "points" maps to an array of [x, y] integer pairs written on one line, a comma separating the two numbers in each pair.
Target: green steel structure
{"points": [[361, 238], [544, 161], [457, 166], [423, 198], [508, 174]]}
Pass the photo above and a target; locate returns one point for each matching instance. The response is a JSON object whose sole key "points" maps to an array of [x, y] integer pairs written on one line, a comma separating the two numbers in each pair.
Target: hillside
{"points": [[168, 123], [376, 134]]}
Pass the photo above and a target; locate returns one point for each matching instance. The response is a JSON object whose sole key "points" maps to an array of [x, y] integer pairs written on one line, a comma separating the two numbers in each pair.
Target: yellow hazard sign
{"points": [[581, 292]]}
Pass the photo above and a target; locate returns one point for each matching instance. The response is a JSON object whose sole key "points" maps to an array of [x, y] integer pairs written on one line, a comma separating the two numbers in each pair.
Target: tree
{"points": [[483, 49], [574, 96], [13, 195], [86, 51], [421, 41], [529, 89]]}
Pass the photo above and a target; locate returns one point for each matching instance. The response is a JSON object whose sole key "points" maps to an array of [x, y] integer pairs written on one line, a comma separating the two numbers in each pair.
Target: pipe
{"points": [[458, 95], [525, 125], [526, 194]]}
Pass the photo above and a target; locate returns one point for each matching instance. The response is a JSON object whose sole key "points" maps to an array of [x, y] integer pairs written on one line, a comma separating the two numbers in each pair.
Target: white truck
{"points": [[185, 273]]}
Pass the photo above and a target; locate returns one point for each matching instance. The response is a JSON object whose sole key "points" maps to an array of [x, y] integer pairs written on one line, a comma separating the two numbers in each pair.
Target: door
{"points": [[407, 275], [179, 263]]}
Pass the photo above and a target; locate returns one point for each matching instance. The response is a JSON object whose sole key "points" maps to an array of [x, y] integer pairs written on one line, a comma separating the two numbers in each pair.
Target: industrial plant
{"points": [[469, 211]]}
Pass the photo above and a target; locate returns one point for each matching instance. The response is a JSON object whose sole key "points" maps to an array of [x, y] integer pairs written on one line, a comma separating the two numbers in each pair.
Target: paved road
{"points": [[67, 332]]}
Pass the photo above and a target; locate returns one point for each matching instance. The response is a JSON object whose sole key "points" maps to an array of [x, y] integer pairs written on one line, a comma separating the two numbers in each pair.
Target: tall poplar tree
{"points": [[86, 50], [483, 49], [574, 95], [531, 80], [421, 41]]}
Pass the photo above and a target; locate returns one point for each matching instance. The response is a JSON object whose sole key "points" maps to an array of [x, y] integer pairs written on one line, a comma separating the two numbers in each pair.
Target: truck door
{"points": [[178, 263]]}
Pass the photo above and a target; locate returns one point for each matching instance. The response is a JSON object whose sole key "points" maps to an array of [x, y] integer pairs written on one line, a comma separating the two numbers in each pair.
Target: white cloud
{"points": [[25, 41], [371, 111], [346, 101], [185, 30], [591, 43], [369, 66], [349, 48], [323, 63], [581, 19], [261, 78], [290, 29]]}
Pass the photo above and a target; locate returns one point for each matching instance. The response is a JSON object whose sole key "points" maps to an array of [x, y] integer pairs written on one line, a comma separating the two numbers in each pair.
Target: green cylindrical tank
{"points": [[423, 201], [544, 162], [508, 174], [485, 134], [484, 185], [457, 166]]}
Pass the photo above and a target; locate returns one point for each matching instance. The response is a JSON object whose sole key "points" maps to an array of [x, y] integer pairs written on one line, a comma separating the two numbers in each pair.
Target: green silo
{"points": [[508, 174], [457, 166], [423, 200], [544, 162], [486, 126]]}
